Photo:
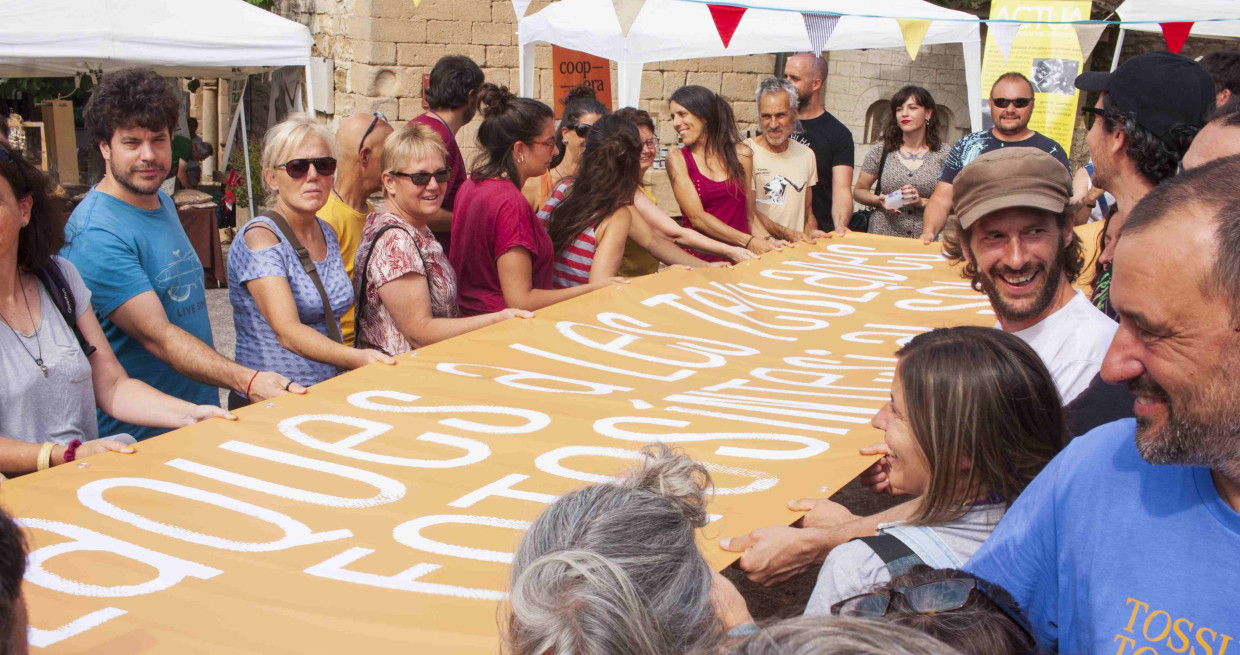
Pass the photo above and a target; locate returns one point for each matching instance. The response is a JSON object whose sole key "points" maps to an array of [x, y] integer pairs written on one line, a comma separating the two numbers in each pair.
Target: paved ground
{"points": [[781, 601]]}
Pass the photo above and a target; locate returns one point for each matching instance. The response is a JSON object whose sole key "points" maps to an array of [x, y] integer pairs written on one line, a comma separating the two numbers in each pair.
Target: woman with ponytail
{"points": [[503, 257], [615, 568], [590, 226], [582, 110], [711, 172]]}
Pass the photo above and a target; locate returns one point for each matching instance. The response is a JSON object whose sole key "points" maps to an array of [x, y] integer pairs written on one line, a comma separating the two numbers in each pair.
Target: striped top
{"points": [[572, 266]]}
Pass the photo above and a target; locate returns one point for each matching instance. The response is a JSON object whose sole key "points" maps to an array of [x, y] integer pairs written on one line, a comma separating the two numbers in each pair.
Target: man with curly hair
{"points": [[126, 240], [1013, 234]]}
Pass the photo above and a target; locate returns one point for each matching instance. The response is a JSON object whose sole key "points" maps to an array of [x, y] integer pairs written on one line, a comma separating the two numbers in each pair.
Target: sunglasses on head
{"points": [[422, 179], [581, 129], [297, 168], [931, 598], [1003, 103], [378, 117]]}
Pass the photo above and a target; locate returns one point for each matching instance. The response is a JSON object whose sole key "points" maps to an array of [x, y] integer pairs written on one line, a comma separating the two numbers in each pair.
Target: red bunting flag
{"points": [[726, 19], [1176, 34]]}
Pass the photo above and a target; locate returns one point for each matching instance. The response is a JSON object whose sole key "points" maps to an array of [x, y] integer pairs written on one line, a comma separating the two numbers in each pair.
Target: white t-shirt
{"points": [[1072, 343]]}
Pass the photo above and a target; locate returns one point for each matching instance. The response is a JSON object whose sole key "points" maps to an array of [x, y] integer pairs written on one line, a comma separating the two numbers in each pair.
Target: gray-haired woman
{"points": [[615, 568]]}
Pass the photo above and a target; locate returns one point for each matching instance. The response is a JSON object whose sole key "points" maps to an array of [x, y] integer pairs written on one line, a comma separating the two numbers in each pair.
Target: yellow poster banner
{"points": [[1048, 54], [381, 510]]}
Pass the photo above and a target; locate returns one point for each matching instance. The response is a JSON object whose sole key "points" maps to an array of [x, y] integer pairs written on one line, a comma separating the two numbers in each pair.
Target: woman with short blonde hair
{"points": [[286, 279], [404, 284]]}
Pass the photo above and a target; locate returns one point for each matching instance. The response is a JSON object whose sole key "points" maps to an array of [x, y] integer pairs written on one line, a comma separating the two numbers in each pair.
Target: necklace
{"points": [[910, 156], [39, 359]]}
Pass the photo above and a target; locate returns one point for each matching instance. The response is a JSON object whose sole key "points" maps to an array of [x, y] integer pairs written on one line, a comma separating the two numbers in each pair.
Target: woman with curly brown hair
{"points": [[910, 157]]}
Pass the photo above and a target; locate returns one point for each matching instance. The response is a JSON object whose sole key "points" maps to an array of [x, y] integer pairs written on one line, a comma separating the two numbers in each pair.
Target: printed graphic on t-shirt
{"points": [[1153, 630], [775, 190], [180, 277]]}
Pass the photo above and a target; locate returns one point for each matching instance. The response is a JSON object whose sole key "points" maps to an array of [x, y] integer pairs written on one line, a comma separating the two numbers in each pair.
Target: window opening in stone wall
{"points": [[875, 119]]}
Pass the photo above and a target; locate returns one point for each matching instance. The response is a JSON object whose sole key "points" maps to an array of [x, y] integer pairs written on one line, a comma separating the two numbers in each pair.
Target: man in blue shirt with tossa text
{"points": [[1129, 541]]}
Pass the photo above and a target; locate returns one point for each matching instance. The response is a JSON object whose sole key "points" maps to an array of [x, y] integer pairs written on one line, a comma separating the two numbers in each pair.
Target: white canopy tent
{"points": [[215, 38], [667, 30], [1209, 18]]}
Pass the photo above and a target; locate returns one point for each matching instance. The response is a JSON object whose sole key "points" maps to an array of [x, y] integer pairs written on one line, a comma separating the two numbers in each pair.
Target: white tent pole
{"points": [[973, 80], [1119, 47], [525, 60], [245, 144], [232, 125], [309, 92], [629, 84]]}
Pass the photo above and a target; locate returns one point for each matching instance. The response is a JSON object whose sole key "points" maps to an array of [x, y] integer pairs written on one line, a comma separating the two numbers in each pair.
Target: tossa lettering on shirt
{"points": [[1149, 628]]}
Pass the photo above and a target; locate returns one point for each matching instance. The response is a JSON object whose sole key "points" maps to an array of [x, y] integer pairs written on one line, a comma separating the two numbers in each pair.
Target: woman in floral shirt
{"points": [[405, 287]]}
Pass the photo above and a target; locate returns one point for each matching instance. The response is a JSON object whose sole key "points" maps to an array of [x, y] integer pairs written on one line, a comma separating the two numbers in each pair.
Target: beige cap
{"points": [[1010, 177]]}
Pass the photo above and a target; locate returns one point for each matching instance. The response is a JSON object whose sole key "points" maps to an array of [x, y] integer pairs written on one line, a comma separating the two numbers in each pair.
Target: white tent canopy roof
{"points": [[1159, 11], [179, 38], [667, 30]]}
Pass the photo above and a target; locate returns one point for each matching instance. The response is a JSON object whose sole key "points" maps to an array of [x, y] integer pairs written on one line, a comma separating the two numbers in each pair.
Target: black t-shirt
{"points": [[970, 146], [832, 144]]}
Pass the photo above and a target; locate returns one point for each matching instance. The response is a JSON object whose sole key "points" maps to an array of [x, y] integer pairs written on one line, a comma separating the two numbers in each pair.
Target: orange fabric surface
{"points": [[358, 516]]}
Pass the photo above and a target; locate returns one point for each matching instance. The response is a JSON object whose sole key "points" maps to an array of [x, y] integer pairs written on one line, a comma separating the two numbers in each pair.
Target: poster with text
{"points": [[570, 68], [1048, 54]]}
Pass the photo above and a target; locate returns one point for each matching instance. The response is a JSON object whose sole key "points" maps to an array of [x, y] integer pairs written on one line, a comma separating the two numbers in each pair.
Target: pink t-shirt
{"points": [[490, 218], [455, 162]]}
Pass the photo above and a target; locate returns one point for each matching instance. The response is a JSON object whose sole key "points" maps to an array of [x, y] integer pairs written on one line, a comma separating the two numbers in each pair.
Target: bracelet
{"points": [[746, 246], [45, 456], [247, 387], [71, 451], [743, 630]]}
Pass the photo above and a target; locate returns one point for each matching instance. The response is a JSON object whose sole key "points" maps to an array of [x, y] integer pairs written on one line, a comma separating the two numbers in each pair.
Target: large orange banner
{"points": [[381, 510]]}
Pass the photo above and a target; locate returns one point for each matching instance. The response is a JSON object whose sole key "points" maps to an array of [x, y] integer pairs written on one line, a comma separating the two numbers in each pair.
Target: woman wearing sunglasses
{"points": [[288, 320], [502, 255], [405, 287], [973, 417], [582, 109]]}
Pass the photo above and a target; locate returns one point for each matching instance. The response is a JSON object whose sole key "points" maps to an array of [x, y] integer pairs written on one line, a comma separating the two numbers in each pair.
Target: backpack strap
{"points": [[898, 557], [62, 297], [303, 255]]}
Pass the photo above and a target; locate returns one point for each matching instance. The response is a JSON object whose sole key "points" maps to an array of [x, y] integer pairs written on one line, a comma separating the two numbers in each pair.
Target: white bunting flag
{"points": [[1088, 34], [1005, 35], [627, 11]]}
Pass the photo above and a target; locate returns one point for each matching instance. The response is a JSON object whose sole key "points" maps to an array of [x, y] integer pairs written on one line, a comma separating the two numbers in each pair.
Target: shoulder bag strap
{"points": [[878, 183], [360, 302], [303, 255], [62, 297], [898, 557]]}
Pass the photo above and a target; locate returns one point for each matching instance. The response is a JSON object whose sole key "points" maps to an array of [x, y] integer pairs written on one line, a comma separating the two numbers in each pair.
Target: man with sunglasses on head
{"points": [[126, 240], [359, 175], [1011, 107]]}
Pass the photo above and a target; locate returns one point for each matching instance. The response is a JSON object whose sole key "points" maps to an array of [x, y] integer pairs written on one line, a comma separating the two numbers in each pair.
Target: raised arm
{"points": [[663, 225]]}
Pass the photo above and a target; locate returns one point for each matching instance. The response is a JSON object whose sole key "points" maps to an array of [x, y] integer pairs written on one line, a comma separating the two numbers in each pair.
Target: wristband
{"points": [[45, 456], [71, 451], [748, 242], [743, 630], [251, 383]]}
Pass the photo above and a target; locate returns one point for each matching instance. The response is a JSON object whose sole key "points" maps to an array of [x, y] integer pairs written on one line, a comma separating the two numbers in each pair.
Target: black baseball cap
{"points": [[1162, 89]]}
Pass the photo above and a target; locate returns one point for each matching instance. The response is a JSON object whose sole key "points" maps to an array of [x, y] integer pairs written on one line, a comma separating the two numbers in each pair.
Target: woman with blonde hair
{"points": [[974, 416], [405, 286], [286, 279]]}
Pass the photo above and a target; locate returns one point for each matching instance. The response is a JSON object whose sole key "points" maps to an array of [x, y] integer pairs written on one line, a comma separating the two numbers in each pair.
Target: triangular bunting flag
{"points": [[913, 30], [1088, 34], [626, 11], [1005, 35], [518, 6], [819, 27], [417, 3], [1176, 34], [726, 19]]}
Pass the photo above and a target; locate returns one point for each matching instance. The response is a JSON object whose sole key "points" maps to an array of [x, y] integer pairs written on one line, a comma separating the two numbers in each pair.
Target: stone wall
{"points": [[382, 48]]}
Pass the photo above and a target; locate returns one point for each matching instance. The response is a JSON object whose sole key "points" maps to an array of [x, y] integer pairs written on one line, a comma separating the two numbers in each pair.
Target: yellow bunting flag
{"points": [[913, 30]]}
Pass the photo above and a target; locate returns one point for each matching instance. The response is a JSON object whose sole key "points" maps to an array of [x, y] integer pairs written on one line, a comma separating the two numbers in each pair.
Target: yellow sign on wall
{"points": [[1048, 54], [380, 511]]}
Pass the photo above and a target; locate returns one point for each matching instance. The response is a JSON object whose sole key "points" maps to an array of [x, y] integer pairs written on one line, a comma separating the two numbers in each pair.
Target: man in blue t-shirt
{"points": [[145, 280], [1129, 541], [1011, 107]]}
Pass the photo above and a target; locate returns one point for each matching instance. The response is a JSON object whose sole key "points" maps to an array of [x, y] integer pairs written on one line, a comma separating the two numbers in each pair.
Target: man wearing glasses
{"points": [[1011, 106], [359, 175]]}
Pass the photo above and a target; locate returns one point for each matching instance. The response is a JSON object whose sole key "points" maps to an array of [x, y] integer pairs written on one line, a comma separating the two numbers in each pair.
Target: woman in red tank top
{"points": [[710, 173]]}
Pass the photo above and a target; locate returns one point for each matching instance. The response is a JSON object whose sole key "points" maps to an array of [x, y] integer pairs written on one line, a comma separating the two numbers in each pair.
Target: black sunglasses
{"points": [[378, 117], [297, 168], [1002, 103], [422, 179], [931, 598], [582, 129], [1090, 114]]}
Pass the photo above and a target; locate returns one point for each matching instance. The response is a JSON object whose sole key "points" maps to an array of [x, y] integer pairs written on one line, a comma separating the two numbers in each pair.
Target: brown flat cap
{"points": [[1010, 177]]}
